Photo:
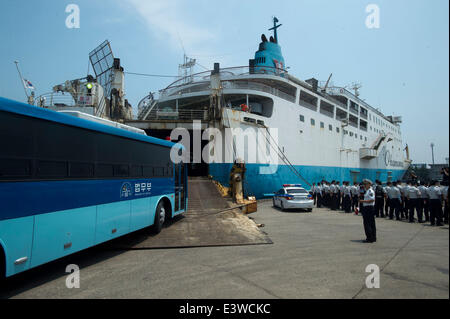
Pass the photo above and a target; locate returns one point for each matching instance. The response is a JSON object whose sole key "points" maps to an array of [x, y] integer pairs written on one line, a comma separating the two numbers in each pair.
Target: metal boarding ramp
{"points": [[210, 221]]}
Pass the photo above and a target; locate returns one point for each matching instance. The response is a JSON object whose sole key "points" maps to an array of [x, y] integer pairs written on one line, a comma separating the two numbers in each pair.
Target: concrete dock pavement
{"points": [[313, 255]]}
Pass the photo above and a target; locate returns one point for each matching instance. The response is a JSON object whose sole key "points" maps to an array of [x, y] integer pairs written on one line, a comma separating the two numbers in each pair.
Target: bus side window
{"points": [[81, 170], [158, 171], [148, 171], [136, 171], [15, 168], [121, 170], [52, 169], [104, 170]]}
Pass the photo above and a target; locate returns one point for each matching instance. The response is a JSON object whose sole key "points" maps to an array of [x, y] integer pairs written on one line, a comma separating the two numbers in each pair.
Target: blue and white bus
{"points": [[67, 184]]}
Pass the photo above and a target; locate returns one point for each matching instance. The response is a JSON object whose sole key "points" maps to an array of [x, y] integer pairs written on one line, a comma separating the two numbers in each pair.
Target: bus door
{"points": [[180, 187], [177, 187], [183, 178]]}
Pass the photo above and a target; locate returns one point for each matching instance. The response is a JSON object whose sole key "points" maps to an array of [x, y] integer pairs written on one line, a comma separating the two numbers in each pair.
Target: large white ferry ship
{"points": [[324, 132]]}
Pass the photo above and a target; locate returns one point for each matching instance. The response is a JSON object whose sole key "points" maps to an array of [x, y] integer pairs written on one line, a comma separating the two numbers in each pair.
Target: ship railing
{"points": [[101, 106], [258, 87], [177, 115], [341, 117], [354, 111], [203, 78], [363, 115], [308, 105], [327, 113], [145, 106], [345, 92], [351, 123], [335, 101], [65, 99], [185, 89]]}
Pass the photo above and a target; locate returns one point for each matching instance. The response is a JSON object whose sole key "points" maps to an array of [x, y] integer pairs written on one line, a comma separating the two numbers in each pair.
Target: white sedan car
{"points": [[293, 196]]}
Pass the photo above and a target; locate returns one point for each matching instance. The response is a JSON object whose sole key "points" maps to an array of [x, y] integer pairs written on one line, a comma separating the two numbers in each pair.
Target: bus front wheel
{"points": [[160, 217]]}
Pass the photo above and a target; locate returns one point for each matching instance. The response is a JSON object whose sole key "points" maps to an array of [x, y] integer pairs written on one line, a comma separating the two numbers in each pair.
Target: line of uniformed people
{"points": [[427, 202], [337, 196]]}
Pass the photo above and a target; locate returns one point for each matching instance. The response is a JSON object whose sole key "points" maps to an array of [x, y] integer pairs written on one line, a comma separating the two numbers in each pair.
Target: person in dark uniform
{"points": [[333, 192], [368, 213], [361, 195], [379, 199], [445, 176]]}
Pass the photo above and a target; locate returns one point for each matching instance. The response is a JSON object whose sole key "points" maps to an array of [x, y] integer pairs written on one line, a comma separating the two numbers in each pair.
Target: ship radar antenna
{"points": [[186, 70], [275, 27], [355, 87]]}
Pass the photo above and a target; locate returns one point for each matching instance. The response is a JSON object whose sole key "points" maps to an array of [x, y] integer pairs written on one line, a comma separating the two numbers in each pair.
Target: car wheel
{"points": [[160, 217], [282, 206], [273, 201]]}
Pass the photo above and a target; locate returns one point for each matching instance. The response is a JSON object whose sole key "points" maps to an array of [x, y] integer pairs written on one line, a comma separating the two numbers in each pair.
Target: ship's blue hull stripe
{"points": [[22, 199], [258, 184]]}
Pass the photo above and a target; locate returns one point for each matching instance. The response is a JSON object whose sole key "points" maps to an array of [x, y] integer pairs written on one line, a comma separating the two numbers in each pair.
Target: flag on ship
{"points": [[27, 84]]}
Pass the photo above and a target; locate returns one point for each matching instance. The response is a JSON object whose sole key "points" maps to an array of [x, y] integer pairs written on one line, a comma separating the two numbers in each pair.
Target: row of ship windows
{"points": [[382, 123], [313, 101], [330, 127]]}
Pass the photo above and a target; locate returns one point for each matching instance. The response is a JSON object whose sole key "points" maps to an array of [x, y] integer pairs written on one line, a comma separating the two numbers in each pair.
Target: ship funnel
{"points": [[268, 59]]}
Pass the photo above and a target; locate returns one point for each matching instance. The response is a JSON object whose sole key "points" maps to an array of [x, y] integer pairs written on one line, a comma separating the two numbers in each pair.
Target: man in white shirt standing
{"points": [[318, 189], [313, 192], [395, 199], [386, 200], [422, 202], [368, 212], [435, 196], [404, 204], [413, 197], [354, 194], [346, 201]]}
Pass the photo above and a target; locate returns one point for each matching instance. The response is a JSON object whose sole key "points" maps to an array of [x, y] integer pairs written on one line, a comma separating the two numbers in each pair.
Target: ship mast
{"points": [[275, 27], [21, 79]]}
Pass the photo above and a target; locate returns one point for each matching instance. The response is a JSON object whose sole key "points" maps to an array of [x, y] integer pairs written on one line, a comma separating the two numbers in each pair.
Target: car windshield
{"points": [[297, 191]]}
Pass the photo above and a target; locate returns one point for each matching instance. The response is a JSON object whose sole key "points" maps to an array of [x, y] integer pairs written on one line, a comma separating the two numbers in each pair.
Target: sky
{"points": [[403, 66]]}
